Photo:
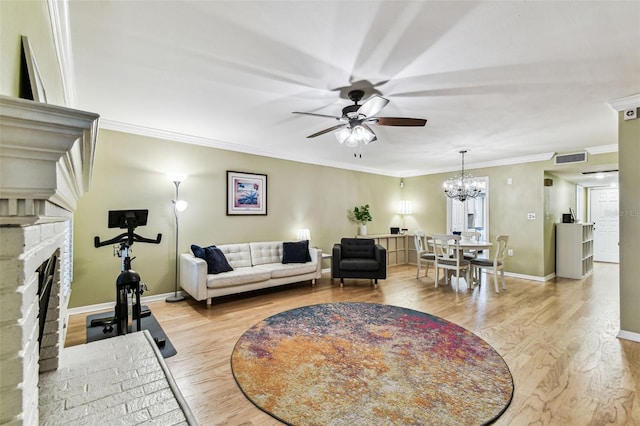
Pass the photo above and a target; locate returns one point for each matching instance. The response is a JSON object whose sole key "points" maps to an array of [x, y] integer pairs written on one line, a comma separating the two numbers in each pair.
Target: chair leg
{"points": [[469, 279], [504, 286], [418, 272], [495, 280], [479, 276]]}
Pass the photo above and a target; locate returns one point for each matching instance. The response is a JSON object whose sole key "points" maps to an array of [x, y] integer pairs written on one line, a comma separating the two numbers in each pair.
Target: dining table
{"points": [[474, 246]]}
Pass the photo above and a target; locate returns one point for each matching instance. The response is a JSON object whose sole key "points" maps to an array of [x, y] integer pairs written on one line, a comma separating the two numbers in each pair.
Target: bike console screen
{"points": [[125, 219]]}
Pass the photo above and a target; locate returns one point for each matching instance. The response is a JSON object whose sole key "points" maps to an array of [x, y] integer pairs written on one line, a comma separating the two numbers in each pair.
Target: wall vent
{"points": [[577, 157]]}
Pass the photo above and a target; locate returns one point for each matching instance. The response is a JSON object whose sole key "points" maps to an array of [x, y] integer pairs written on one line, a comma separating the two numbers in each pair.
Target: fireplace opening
{"points": [[46, 274]]}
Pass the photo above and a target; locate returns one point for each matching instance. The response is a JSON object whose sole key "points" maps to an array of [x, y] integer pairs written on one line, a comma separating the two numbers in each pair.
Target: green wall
{"points": [[629, 184], [129, 173], [30, 18]]}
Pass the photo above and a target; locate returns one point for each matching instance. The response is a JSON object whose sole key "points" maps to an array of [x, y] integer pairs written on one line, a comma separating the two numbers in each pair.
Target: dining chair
{"points": [[496, 264], [449, 256], [474, 236], [424, 252]]}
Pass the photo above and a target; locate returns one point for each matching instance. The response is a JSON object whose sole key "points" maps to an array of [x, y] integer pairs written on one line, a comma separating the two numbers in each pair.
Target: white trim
{"points": [[495, 163], [61, 32], [629, 335], [41, 140], [109, 305], [530, 277], [603, 149], [621, 104]]}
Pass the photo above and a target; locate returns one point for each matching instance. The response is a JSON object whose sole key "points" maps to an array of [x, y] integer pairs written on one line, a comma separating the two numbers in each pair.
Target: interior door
{"points": [[456, 216], [606, 232]]}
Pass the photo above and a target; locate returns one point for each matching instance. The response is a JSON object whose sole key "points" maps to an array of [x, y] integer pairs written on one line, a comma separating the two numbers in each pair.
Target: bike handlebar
{"points": [[129, 237]]}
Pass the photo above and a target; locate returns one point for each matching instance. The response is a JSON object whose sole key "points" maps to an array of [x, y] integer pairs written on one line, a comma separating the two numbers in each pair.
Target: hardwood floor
{"points": [[558, 339]]}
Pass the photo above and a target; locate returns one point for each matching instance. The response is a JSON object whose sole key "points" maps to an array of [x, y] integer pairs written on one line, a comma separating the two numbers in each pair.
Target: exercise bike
{"points": [[128, 283]]}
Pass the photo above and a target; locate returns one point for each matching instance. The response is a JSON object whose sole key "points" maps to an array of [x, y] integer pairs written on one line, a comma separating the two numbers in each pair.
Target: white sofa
{"points": [[255, 265]]}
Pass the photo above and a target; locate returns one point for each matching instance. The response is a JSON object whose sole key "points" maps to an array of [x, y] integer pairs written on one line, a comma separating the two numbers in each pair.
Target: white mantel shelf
{"points": [[46, 158]]}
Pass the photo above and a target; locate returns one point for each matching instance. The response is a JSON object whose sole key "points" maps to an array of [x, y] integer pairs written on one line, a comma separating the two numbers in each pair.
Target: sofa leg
{"points": [[313, 282], [341, 282], [209, 300]]}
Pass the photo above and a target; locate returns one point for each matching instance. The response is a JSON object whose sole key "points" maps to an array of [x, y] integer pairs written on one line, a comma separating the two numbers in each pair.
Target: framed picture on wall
{"points": [[246, 193]]}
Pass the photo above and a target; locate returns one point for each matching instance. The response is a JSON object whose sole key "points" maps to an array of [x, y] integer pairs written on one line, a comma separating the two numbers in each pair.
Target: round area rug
{"points": [[370, 364]]}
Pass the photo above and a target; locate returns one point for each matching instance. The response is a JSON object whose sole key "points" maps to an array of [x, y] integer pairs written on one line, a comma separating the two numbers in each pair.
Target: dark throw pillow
{"points": [[198, 251], [296, 252], [216, 260]]}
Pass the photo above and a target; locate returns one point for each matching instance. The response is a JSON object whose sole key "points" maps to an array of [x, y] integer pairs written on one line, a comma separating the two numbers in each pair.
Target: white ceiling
{"points": [[510, 81]]}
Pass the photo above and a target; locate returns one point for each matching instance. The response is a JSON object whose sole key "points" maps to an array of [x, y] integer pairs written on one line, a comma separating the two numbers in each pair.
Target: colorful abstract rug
{"points": [[370, 364]]}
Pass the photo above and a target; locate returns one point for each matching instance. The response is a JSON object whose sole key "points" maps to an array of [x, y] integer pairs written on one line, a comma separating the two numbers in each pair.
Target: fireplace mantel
{"points": [[46, 158]]}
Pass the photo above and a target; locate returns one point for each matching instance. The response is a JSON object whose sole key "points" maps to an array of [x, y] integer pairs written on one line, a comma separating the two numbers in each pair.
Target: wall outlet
{"points": [[531, 216], [509, 252]]}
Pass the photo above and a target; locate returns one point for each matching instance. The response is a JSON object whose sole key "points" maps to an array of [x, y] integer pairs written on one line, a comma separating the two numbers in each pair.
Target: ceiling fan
{"points": [[354, 129]]}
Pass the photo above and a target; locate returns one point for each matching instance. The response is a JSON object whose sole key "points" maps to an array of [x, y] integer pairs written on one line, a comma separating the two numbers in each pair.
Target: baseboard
{"points": [[530, 277], [110, 305], [629, 335]]}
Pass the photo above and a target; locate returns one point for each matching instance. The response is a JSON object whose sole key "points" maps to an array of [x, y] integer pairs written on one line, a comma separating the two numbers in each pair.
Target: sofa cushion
{"points": [[296, 252], [266, 252], [279, 270], [238, 276], [216, 262], [238, 255]]}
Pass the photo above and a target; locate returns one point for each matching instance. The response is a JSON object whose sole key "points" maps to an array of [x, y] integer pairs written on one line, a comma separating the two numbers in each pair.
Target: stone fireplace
{"points": [[46, 156]]}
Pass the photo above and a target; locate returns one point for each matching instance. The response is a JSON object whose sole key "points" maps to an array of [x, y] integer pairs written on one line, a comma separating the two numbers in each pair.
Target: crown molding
{"points": [[621, 104], [603, 149], [135, 129]]}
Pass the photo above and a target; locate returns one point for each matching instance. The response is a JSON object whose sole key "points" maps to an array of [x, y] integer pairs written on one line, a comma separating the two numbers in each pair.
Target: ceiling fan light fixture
{"points": [[352, 137], [343, 134]]}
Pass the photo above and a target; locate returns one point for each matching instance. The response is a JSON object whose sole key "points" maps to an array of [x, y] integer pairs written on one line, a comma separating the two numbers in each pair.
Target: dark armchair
{"points": [[358, 258]]}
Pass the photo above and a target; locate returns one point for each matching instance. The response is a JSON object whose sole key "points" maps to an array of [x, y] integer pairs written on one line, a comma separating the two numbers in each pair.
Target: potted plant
{"points": [[361, 216]]}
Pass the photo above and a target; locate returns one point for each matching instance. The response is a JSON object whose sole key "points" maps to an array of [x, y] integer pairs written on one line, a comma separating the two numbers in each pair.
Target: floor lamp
{"points": [[178, 206]]}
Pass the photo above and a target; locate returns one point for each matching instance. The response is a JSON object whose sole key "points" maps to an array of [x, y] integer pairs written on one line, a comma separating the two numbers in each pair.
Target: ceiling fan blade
{"points": [[317, 115], [373, 106], [375, 138], [400, 121], [330, 129]]}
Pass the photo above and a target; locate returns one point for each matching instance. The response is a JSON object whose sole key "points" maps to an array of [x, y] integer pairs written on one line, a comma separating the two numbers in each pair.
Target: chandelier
{"points": [[462, 186]]}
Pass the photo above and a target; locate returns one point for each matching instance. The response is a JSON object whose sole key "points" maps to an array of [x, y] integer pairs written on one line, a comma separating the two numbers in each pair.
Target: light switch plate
{"points": [[531, 216]]}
